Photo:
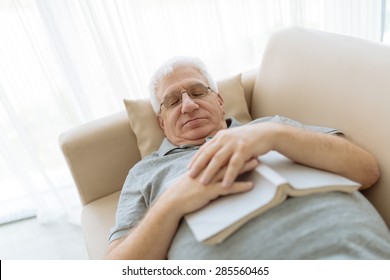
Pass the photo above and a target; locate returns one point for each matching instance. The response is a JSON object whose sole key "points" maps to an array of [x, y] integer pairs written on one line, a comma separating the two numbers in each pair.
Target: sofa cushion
{"points": [[144, 123]]}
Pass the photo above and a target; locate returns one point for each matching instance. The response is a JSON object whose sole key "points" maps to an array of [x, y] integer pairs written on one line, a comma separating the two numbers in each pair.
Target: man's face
{"points": [[191, 121]]}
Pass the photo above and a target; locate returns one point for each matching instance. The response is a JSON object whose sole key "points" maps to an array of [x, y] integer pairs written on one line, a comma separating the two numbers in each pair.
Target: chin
{"points": [[197, 137]]}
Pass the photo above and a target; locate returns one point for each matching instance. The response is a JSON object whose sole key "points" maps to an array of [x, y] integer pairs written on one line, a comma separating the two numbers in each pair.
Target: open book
{"points": [[275, 179]]}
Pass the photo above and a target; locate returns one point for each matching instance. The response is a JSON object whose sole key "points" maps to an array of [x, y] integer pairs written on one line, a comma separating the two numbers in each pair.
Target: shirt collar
{"points": [[167, 147]]}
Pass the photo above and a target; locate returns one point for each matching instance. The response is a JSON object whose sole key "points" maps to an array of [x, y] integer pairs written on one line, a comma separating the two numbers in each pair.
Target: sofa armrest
{"points": [[331, 80], [99, 155], [97, 218], [248, 79]]}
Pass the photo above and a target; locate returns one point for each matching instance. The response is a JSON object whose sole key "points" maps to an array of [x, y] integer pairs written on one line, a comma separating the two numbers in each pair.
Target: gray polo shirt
{"points": [[265, 236]]}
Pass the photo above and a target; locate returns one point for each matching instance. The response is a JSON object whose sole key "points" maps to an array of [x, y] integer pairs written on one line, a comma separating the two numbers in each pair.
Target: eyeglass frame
{"points": [[186, 91]]}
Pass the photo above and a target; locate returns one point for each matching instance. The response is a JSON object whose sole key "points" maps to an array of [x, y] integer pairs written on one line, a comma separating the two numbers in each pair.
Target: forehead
{"points": [[182, 77]]}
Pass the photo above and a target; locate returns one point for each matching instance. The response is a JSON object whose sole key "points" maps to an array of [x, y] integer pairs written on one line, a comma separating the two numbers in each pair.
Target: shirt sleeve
{"points": [[131, 208], [287, 121]]}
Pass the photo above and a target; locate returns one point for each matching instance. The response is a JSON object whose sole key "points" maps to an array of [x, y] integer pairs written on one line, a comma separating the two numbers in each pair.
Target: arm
{"points": [[329, 152], [151, 239], [141, 242]]}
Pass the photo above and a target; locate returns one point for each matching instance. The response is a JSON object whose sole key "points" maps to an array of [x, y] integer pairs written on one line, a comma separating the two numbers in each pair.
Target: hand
{"points": [[189, 194], [232, 148]]}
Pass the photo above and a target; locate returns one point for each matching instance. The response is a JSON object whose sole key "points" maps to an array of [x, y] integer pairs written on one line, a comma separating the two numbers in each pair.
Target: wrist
{"points": [[169, 205], [282, 137], [271, 134]]}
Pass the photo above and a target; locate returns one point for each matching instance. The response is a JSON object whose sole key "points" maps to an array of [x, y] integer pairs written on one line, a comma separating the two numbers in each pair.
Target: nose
{"points": [[188, 104]]}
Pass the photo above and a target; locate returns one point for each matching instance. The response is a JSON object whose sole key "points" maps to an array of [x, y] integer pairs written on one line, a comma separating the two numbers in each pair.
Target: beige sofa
{"points": [[310, 76]]}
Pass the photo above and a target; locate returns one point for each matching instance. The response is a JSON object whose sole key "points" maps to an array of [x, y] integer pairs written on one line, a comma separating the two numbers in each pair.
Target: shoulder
{"points": [[145, 164], [294, 123]]}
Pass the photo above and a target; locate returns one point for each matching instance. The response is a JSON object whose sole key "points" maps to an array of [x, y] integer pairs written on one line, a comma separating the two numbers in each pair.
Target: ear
{"points": [[221, 102], [160, 122]]}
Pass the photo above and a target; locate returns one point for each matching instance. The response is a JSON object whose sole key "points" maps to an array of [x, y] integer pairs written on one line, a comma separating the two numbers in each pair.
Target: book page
{"points": [[227, 210], [302, 177], [274, 179], [271, 175]]}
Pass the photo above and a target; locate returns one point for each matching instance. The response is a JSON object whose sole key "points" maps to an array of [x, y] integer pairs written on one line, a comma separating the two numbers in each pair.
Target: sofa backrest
{"points": [[332, 80]]}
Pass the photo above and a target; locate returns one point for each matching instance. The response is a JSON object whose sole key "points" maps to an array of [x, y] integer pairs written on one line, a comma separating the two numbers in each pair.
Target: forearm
{"points": [[151, 238], [328, 152], [234, 146]]}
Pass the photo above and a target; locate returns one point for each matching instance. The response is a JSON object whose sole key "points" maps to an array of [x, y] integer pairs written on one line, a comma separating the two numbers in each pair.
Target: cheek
{"points": [[171, 120], [216, 110]]}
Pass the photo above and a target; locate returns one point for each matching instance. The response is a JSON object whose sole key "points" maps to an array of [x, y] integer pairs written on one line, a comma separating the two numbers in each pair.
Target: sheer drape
{"points": [[65, 62]]}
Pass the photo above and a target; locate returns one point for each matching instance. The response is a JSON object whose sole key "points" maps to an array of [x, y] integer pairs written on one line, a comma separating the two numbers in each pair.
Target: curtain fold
{"points": [[66, 62]]}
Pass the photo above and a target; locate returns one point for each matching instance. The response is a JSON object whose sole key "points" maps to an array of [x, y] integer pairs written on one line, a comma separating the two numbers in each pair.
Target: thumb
{"points": [[237, 187]]}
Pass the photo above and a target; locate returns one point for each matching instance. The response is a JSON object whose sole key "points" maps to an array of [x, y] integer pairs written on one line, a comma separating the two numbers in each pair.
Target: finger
{"points": [[249, 165], [198, 161], [237, 187], [236, 163], [195, 157], [218, 161], [219, 176], [206, 146], [201, 159]]}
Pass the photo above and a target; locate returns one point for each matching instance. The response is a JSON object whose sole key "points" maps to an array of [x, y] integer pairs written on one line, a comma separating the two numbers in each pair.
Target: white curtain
{"points": [[66, 62]]}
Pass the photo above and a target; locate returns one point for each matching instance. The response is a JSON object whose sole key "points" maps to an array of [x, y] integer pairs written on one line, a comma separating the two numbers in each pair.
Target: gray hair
{"points": [[168, 67]]}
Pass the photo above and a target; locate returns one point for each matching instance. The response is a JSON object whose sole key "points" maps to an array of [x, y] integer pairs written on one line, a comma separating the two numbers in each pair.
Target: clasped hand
{"points": [[214, 168], [231, 149]]}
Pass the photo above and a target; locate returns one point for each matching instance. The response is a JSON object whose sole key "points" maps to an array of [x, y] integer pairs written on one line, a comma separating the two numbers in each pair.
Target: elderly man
{"points": [[201, 157]]}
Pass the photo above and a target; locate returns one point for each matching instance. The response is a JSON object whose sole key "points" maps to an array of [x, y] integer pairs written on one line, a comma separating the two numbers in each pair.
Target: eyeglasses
{"points": [[195, 92]]}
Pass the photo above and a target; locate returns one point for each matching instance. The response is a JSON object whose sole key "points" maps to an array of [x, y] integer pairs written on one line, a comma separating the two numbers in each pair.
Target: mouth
{"points": [[193, 121]]}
